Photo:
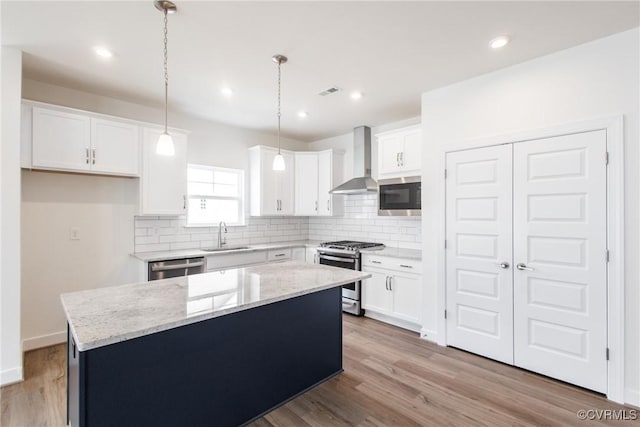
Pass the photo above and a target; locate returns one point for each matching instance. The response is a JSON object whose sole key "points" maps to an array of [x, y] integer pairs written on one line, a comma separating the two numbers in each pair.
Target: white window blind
{"points": [[215, 194]]}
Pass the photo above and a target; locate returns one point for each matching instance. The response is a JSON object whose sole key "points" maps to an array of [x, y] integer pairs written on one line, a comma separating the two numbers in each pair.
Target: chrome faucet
{"points": [[221, 240]]}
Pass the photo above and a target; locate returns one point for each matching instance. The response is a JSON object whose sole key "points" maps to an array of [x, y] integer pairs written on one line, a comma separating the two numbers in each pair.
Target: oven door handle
{"points": [[333, 258], [348, 304]]}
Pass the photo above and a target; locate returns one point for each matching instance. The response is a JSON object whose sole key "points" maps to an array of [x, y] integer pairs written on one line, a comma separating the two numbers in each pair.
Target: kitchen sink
{"points": [[225, 248]]}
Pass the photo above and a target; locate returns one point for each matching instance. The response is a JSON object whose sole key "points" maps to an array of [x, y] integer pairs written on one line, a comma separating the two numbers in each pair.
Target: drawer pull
{"points": [[280, 255], [406, 266], [375, 262]]}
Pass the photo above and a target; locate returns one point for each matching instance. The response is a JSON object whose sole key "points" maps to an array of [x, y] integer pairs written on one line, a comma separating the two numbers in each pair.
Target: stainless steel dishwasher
{"points": [[175, 268]]}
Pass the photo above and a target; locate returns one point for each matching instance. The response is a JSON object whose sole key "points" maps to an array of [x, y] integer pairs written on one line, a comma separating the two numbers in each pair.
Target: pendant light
{"points": [[165, 146], [278, 160]]}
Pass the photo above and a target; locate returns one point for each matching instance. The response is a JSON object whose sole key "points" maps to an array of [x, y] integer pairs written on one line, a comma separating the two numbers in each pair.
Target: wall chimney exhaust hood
{"points": [[362, 183]]}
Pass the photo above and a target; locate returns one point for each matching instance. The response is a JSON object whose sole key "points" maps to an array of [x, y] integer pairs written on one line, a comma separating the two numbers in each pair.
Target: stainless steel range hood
{"points": [[362, 183]]}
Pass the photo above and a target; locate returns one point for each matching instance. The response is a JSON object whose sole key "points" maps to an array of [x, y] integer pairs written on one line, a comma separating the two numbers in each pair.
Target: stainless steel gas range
{"points": [[346, 254]]}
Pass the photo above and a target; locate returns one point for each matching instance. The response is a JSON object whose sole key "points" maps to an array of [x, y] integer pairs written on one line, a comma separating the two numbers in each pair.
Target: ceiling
{"points": [[391, 51]]}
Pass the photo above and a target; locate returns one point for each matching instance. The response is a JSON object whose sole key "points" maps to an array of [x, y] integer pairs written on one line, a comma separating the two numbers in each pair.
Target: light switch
{"points": [[74, 233]]}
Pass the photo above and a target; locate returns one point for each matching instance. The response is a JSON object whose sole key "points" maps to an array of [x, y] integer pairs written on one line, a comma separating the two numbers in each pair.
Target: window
{"points": [[215, 194]]}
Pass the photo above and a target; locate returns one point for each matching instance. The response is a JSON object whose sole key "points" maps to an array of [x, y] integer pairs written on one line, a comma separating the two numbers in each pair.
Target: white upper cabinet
{"points": [[115, 147], [272, 192], [306, 183], [400, 152], [71, 140], [316, 174], [61, 140], [163, 182]]}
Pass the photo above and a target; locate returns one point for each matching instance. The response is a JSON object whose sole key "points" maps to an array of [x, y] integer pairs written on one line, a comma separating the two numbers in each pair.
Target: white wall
{"points": [[594, 80], [103, 209], [10, 349]]}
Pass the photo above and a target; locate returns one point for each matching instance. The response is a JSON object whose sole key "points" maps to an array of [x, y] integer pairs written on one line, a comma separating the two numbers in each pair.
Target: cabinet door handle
{"points": [[94, 156], [86, 151], [316, 206], [390, 283], [329, 205], [386, 283], [184, 202], [397, 159], [402, 158]]}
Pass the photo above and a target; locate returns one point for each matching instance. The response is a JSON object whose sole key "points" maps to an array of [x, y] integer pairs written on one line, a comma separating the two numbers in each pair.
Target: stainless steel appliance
{"points": [[346, 254], [400, 196], [362, 183], [175, 268]]}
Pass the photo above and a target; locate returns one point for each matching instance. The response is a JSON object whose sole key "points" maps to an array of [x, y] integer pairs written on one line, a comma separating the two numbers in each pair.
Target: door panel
{"points": [[61, 140], [269, 188], [412, 152], [376, 295], [559, 208], [390, 149], [479, 291], [285, 185], [325, 182], [306, 183], [115, 147]]}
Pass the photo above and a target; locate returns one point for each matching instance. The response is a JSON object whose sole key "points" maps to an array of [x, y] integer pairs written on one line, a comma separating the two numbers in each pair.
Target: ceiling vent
{"points": [[330, 90]]}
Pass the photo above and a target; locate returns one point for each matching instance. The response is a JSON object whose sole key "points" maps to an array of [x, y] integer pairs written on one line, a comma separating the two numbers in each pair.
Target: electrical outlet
{"points": [[74, 233]]}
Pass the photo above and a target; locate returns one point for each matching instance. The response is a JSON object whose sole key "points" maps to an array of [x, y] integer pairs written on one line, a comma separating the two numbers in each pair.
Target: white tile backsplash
{"points": [[360, 222], [160, 233]]}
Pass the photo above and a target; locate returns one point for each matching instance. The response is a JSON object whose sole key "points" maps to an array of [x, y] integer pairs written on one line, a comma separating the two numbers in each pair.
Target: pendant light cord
{"points": [[166, 74], [279, 63]]}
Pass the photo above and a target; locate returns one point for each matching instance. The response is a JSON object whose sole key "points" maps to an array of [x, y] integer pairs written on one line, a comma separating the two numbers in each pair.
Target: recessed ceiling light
{"points": [[103, 52], [356, 95], [499, 42], [227, 91], [303, 114]]}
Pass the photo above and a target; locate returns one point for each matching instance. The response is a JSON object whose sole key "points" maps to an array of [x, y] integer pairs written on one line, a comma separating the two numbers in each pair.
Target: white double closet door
{"points": [[526, 255]]}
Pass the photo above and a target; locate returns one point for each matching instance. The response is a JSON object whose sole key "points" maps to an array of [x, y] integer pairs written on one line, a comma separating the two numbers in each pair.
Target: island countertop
{"points": [[104, 316]]}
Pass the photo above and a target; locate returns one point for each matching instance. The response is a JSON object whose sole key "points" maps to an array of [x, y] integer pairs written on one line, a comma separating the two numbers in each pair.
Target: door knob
{"points": [[523, 266], [504, 264]]}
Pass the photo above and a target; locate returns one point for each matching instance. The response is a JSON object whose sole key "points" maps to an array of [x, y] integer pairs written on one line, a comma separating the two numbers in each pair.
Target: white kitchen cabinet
{"points": [[400, 152], [70, 140], [311, 256], [299, 254], [272, 192], [115, 147], [392, 294], [316, 173], [163, 182]]}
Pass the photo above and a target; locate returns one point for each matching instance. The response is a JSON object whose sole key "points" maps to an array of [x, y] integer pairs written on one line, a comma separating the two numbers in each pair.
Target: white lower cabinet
{"points": [[298, 254], [393, 293], [311, 256]]}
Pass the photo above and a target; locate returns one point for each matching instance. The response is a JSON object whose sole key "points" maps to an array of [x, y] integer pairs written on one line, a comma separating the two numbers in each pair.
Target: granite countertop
{"points": [[104, 316], [186, 253], [414, 254]]}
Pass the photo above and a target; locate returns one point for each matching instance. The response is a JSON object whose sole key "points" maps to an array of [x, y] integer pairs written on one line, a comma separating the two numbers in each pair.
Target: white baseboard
{"points": [[10, 376], [392, 321], [632, 397], [429, 335], [44, 341]]}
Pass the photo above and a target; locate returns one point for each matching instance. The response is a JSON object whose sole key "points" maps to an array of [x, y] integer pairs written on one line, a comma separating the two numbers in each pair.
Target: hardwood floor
{"points": [[391, 378]]}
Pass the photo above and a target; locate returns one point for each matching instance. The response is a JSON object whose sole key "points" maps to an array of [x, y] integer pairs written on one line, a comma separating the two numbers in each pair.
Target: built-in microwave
{"points": [[400, 196]]}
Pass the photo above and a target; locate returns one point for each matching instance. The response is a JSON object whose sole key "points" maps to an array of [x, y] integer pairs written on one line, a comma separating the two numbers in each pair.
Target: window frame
{"points": [[240, 198]]}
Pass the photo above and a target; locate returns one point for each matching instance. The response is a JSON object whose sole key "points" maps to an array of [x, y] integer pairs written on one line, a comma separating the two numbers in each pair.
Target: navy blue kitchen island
{"points": [[268, 339]]}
